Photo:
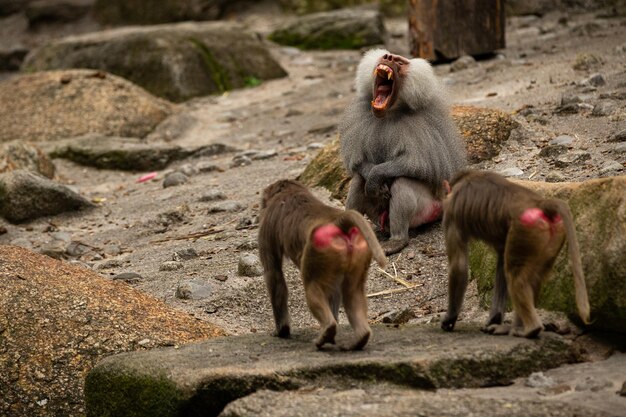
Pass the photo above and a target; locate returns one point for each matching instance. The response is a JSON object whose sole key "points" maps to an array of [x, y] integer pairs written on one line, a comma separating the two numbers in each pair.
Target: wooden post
{"points": [[448, 29]]}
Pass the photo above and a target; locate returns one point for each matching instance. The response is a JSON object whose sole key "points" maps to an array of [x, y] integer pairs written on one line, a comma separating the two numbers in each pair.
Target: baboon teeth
{"points": [[383, 71]]}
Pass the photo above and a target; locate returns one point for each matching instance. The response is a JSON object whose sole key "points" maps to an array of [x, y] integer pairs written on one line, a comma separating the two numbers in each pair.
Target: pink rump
{"points": [[530, 216], [324, 235]]}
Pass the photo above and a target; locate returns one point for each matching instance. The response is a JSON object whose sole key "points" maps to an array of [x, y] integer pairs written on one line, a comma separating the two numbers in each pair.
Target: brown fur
{"points": [[487, 207], [290, 215]]}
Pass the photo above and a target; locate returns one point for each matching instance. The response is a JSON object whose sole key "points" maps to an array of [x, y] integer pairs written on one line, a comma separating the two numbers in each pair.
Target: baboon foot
{"points": [[283, 331], [497, 329], [394, 246], [528, 333], [448, 323], [326, 336], [359, 343]]}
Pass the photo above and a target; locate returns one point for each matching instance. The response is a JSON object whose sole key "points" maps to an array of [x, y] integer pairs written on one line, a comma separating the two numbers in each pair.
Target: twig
{"points": [[195, 235], [398, 280], [392, 291]]}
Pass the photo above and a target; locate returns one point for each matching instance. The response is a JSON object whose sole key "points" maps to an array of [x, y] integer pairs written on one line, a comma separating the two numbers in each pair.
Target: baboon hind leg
{"points": [[355, 304]]}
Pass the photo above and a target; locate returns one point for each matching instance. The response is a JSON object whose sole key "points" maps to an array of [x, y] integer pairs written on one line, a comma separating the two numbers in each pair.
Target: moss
{"points": [[218, 73], [110, 393]]}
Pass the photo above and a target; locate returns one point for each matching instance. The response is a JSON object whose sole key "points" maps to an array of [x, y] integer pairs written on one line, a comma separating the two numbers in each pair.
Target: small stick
{"points": [[195, 235], [398, 280], [392, 291]]}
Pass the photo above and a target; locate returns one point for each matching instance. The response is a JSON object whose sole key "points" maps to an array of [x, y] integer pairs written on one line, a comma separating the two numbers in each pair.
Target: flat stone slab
{"points": [[201, 379]]}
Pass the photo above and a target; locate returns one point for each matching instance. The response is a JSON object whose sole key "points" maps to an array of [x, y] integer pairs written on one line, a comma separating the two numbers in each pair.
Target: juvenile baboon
{"points": [[527, 232], [398, 143], [331, 248]]}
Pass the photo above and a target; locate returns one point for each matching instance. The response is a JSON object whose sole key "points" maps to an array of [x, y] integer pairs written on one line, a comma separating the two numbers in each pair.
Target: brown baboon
{"points": [[333, 250], [527, 232]]}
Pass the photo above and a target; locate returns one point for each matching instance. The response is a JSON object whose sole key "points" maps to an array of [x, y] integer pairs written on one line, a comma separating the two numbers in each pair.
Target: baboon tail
{"points": [[355, 218], [554, 206]]}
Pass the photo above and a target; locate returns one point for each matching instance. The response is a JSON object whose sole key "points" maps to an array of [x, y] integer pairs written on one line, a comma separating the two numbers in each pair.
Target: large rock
{"points": [[25, 196], [484, 131], [46, 11], [57, 320], [388, 7], [27, 156], [177, 61], [342, 29], [599, 210], [61, 104], [200, 379], [12, 6], [119, 12]]}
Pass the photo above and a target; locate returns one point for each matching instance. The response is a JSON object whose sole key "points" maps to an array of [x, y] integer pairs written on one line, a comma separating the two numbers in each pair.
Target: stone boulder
{"points": [[8, 7], [23, 155], [201, 379], [44, 11], [60, 104], [599, 210], [58, 320], [388, 7], [484, 131], [341, 29], [176, 61], [149, 12], [25, 196]]}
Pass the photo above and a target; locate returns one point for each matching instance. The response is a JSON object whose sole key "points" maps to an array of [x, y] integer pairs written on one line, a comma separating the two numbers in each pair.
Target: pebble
{"points": [[175, 178], [249, 266], [592, 384], [619, 137], [604, 108], [570, 98], [188, 169], [183, 291], [595, 80], [185, 254], [571, 108], [76, 249], [171, 266], [552, 151], [212, 195], [539, 380], [398, 316], [562, 140], [620, 148], [204, 167], [555, 176], [143, 342], [226, 206], [622, 392], [111, 263], [248, 245], [265, 155], [54, 249], [570, 158], [464, 62], [240, 161], [610, 166], [511, 172], [221, 278], [195, 289], [129, 277]]}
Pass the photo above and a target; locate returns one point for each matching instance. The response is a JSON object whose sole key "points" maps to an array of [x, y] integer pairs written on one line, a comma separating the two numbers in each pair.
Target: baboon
{"points": [[332, 249], [527, 232], [398, 143]]}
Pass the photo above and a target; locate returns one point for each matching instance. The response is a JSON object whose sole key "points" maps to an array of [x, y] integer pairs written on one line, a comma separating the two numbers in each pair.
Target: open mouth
{"points": [[383, 86]]}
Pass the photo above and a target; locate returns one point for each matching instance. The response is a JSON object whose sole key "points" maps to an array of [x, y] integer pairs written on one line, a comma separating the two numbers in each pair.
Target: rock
{"points": [[204, 167], [11, 59], [552, 151], [398, 316], [619, 137], [604, 108], [565, 140], [622, 392], [26, 196], [63, 319], [76, 248], [61, 104], [388, 7], [265, 155], [570, 108], [46, 11], [511, 172], [595, 80], [249, 266], [177, 61], [54, 249], [240, 161], [484, 131], [570, 98], [111, 263], [620, 148], [539, 380], [171, 266], [226, 206], [128, 277], [110, 152], [143, 12], [594, 385], [185, 254], [8, 7], [572, 158], [27, 156], [194, 289], [341, 29], [602, 248], [611, 167], [530, 7], [224, 369], [212, 195], [174, 179], [221, 278], [464, 62], [586, 61]]}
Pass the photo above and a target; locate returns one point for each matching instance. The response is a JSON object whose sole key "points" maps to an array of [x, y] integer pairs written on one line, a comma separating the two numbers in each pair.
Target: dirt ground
{"points": [[139, 226]]}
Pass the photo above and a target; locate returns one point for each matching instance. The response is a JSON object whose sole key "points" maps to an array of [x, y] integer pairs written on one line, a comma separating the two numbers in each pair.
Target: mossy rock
{"points": [[483, 130], [599, 210], [342, 29], [176, 61], [387, 7]]}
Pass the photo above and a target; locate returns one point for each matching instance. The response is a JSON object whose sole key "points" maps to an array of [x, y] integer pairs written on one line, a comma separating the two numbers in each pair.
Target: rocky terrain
{"points": [[186, 235]]}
